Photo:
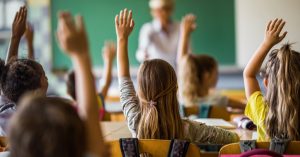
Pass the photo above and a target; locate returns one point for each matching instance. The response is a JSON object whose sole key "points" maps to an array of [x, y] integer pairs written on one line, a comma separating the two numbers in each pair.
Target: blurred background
{"points": [[229, 30]]}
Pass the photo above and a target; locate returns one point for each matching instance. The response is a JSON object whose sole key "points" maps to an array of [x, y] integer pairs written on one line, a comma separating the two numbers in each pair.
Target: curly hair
{"points": [[20, 76], [191, 75]]}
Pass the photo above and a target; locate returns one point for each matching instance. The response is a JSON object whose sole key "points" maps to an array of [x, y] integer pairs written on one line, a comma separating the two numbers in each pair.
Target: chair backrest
{"points": [[234, 148], [157, 148], [215, 112]]}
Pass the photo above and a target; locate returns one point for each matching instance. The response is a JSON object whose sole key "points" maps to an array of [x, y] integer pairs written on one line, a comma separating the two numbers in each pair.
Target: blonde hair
{"points": [[160, 118], [191, 76], [283, 91]]}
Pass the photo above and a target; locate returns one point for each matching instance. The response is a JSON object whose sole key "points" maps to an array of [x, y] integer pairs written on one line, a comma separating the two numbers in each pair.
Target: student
{"points": [[56, 129], [198, 74], [277, 113], [109, 53], [159, 38], [18, 76], [154, 112]]}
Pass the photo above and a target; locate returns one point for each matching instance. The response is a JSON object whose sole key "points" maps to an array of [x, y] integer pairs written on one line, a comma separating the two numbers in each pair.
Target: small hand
{"points": [[124, 24], [273, 31], [19, 23], [109, 51], [71, 34], [188, 24], [29, 33]]}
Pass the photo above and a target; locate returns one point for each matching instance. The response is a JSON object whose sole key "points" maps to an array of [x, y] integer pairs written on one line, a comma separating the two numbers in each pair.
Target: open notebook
{"points": [[216, 122]]}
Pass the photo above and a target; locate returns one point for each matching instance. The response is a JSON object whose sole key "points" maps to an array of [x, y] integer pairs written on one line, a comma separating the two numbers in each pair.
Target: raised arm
{"points": [[18, 29], [188, 25], [109, 54], [29, 34], [73, 40], [124, 26], [272, 37]]}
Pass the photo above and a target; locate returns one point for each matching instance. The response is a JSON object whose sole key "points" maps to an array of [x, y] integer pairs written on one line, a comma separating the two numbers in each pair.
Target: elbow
{"points": [[248, 74]]}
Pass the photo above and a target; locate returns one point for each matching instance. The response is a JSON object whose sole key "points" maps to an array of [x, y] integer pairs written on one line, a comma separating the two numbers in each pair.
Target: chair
{"points": [[157, 148], [215, 112], [234, 148]]}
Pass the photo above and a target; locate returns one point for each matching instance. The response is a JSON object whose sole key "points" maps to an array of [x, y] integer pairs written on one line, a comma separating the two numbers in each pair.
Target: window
{"points": [[8, 8]]}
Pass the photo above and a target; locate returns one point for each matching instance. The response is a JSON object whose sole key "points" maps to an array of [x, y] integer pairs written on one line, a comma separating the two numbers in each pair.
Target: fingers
{"points": [[282, 36], [280, 27], [129, 19], [276, 25], [131, 23], [80, 23], [268, 26], [117, 20], [125, 17], [121, 16], [273, 24], [66, 22]]}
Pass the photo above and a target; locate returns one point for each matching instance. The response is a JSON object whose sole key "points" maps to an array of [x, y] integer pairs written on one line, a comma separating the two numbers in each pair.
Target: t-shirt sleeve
{"points": [[256, 108]]}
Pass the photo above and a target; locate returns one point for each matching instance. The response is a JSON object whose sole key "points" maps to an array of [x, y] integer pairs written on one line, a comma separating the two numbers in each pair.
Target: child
{"points": [[18, 76], [198, 73], [154, 112], [55, 127], [109, 53], [277, 113]]}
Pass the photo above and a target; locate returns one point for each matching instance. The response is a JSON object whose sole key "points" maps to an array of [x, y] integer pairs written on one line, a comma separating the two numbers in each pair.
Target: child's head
{"points": [[161, 10], [160, 118], [198, 74], [20, 76], [71, 89], [282, 81], [46, 127]]}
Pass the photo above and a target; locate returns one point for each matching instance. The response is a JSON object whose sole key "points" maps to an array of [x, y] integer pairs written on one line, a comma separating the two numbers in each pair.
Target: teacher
{"points": [[159, 38]]}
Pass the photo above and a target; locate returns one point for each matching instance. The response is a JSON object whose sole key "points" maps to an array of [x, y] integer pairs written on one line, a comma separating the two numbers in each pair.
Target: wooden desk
{"points": [[116, 130]]}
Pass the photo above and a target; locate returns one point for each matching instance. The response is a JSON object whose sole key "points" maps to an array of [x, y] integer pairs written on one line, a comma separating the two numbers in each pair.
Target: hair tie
{"points": [[152, 103]]}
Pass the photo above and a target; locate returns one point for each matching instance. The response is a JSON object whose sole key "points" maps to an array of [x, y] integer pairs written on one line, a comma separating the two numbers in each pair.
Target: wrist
{"points": [[122, 39], [185, 35], [267, 44], [79, 55]]}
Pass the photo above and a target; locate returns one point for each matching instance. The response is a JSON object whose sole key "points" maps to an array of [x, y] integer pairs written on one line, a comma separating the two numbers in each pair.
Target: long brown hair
{"points": [[160, 118], [191, 75], [283, 91]]}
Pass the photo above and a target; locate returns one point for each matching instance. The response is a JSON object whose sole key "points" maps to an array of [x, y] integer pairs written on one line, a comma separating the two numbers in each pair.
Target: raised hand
{"points": [[29, 33], [124, 24], [71, 34], [273, 32], [188, 24], [19, 23], [18, 29], [109, 51]]}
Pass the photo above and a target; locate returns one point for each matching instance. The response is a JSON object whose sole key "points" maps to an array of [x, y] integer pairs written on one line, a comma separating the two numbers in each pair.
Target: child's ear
{"points": [[266, 82]]}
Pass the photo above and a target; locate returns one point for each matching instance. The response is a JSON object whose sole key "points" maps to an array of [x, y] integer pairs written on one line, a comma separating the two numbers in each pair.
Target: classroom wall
{"points": [[251, 19], [215, 34]]}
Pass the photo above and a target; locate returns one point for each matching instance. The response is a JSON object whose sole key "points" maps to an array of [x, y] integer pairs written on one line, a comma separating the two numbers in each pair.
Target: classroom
{"points": [[99, 78]]}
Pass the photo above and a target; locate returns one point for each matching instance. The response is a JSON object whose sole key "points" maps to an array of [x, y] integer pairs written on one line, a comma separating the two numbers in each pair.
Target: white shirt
{"points": [[157, 44]]}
